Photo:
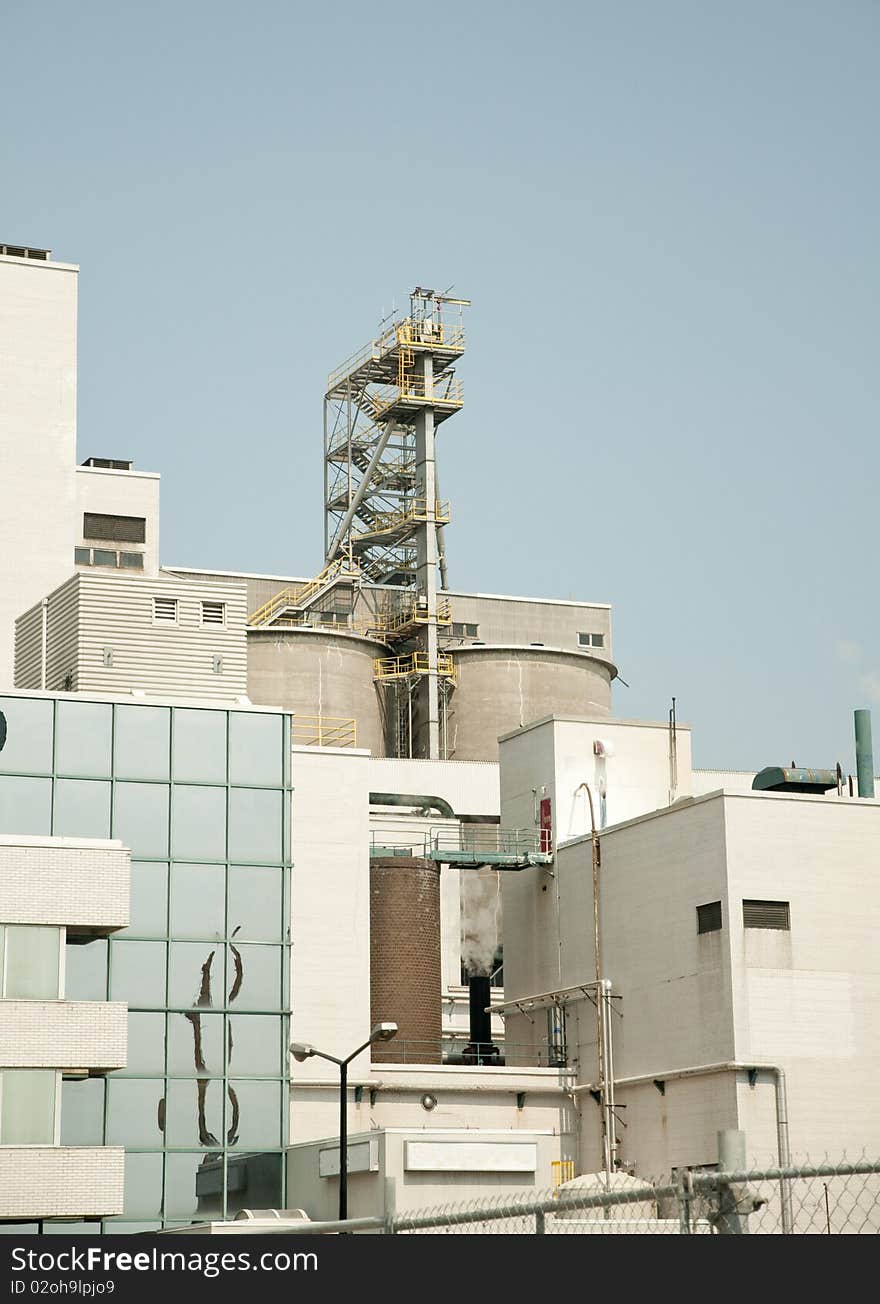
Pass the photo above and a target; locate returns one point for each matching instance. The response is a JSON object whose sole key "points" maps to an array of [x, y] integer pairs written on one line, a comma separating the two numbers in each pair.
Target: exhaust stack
{"points": [[864, 754]]}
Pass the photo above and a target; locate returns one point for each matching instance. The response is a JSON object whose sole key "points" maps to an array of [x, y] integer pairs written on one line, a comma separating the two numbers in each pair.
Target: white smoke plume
{"points": [[480, 919]]}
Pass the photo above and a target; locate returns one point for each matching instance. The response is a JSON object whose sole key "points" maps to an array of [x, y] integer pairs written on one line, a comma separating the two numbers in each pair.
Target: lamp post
{"points": [[301, 1051]]}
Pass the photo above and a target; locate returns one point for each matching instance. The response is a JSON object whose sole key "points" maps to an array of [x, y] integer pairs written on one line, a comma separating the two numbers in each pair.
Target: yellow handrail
{"points": [[414, 663], [444, 390], [293, 596], [417, 615], [323, 731], [407, 331], [416, 511]]}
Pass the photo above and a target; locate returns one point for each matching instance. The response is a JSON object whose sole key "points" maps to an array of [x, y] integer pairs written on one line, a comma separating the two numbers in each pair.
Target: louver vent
{"points": [[121, 529], [766, 914], [709, 917], [213, 613], [165, 610]]}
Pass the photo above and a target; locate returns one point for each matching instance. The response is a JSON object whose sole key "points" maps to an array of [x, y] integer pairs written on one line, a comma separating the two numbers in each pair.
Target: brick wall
{"points": [[56, 882], [61, 1181], [63, 1034], [405, 956]]}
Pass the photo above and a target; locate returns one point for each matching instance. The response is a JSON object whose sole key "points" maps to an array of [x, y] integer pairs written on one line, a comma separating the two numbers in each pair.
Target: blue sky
{"points": [[666, 216]]}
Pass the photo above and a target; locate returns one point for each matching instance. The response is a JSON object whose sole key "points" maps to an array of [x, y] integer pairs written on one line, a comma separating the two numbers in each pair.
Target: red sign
{"points": [[546, 812]]}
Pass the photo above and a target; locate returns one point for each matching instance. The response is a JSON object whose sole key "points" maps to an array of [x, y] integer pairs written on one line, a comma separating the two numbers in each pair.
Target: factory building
{"points": [[368, 795]]}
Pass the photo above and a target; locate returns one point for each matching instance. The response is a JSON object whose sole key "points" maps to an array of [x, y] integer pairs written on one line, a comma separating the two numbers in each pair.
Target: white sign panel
{"points": [[471, 1157], [363, 1157]]}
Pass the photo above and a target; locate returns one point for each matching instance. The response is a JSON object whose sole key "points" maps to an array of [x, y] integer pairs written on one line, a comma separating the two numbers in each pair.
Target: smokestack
{"points": [[864, 754], [479, 1049]]}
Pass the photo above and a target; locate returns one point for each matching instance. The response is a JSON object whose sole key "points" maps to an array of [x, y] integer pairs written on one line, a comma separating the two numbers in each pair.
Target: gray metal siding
{"points": [[28, 648], [174, 659], [62, 633]]}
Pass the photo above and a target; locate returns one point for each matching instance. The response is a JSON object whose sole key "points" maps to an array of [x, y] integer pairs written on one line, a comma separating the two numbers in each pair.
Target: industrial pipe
{"points": [[864, 754], [413, 799]]}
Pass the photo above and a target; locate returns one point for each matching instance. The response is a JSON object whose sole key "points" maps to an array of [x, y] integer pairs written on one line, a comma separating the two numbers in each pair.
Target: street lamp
{"points": [[301, 1051]]}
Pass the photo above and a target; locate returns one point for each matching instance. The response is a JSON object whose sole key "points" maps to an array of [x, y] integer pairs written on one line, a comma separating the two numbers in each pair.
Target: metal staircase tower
{"points": [[382, 510]]}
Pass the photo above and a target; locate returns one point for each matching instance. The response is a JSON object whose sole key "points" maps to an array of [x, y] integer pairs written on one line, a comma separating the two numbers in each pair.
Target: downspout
{"points": [[609, 1147], [44, 641]]}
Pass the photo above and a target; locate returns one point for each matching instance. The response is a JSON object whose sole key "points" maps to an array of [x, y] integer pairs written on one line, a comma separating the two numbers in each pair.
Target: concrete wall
{"points": [[557, 623], [120, 493], [399, 1169], [38, 443], [499, 689], [556, 756], [330, 915], [314, 673], [723, 1002], [808, 999], [549, 760], [101, 631]]}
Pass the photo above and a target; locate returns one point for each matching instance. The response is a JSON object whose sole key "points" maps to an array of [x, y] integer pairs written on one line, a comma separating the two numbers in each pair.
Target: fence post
{"points": [[539, 1222], [731, 1158], [683, 1196]]}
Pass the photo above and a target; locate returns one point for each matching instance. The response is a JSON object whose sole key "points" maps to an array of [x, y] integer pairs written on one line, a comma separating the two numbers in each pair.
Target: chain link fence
{"points": [[819, 1199]]}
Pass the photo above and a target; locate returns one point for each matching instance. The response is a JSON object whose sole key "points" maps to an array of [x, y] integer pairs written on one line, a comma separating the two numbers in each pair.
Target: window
{"points": [[591, 640], [108, 557], [30, 962], [709, 917], [165, 611], [767, 914], [213, 613], [28, 1100], [121, 529], [462, 630]]}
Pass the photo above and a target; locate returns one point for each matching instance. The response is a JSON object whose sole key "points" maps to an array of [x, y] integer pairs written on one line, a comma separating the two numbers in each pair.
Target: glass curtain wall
{"points": [[201, 796]]}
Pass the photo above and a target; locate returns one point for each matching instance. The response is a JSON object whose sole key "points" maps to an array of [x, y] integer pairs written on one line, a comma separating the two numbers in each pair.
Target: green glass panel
{"points": [[28, 746], [84, 735]]}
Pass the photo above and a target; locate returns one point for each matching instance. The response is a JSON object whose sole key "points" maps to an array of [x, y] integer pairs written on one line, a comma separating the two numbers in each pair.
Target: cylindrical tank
{"points": [[405, 957], [503, 687], [319, 672]]}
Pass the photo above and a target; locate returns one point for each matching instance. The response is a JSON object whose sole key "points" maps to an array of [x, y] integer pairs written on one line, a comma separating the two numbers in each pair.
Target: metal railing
{"points": [[323, 731], [406, 331], [414, 663], [415, 512], [444, 390], [487, 839], [299, 595], [414, 614], [462, 1052]]}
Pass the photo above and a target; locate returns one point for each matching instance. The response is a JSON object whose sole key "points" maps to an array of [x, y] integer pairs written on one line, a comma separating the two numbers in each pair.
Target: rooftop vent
{"points": [[24, 251], [775, 778], [108, 463]]}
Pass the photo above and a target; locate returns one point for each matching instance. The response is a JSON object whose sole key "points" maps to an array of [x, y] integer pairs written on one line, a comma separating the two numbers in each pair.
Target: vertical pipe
{"points": [[864, 754], [44, 642], [731, 1159], [783, 1147], [343, 1142]]}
